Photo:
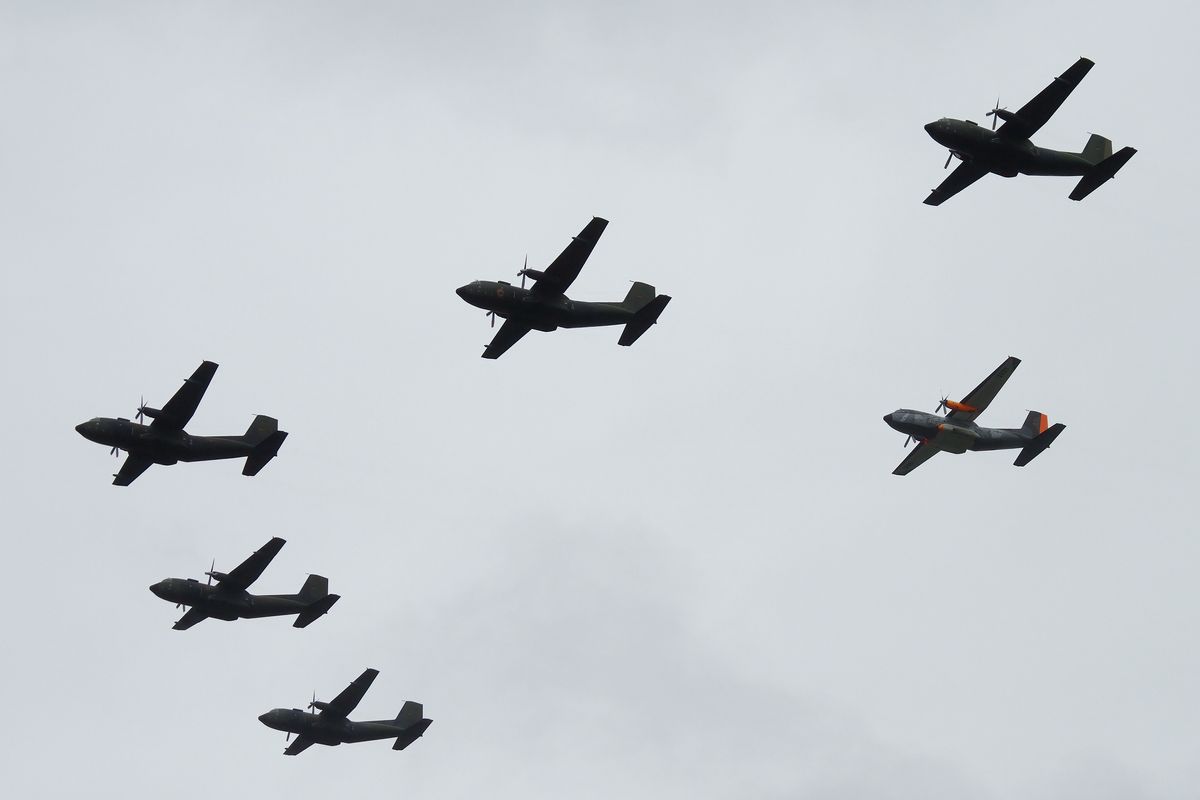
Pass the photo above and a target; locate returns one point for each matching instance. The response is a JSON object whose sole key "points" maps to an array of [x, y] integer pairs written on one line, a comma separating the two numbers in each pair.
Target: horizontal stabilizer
{"points": [[315, 611], [1104, 171], [643, 319], [264, 451], [1040, 443], [412, 734]]}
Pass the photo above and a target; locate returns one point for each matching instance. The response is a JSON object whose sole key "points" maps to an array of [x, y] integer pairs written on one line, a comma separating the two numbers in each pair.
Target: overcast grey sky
{"points": [[681, 569]]}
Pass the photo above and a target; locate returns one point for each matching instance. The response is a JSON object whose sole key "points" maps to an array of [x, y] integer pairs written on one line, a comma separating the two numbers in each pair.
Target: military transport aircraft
{"points": [[331, 727], [545, 305], [164, 441], [958, 433], [1008, 151], [229, 600]]}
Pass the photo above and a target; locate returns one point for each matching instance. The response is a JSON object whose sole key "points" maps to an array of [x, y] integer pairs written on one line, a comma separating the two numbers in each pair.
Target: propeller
{"points": [[211, 570], [949, 156], [141, 412], [492, 314], [313, 704], [524, 267], [114, 452], [993, 113], [942, 405], [907, 439]]}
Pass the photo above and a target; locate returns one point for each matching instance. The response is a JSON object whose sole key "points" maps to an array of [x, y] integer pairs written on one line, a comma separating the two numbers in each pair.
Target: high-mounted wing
{"points": [[194, 614], [247, 572], [1037, 112], [131, 469], [559, 276], [509, 334], [182, 405], [348, 700], [979, 398], [963, 176], [920, 454], [297, 747]]}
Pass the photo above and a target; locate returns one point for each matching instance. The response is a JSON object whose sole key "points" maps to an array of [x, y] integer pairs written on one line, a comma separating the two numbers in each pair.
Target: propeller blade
{"points": [[492, 314], [113, 452], [211, 569], [287, 738], [524, 267], [141, 412], [949, 156], [907, 439]]}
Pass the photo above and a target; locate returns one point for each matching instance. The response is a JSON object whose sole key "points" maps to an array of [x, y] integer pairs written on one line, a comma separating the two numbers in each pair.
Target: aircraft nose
{"points": [[930, 128], [890, 419], [462, 291], [265, 718], [80, 428], [157, 588]]}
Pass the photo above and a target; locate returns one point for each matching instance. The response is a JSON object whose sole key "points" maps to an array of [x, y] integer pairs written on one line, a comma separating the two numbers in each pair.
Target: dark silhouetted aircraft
{"points": [[164, 441], [958, 433], [1008, 151], [329, 726], [229, 600], [545, 305]]}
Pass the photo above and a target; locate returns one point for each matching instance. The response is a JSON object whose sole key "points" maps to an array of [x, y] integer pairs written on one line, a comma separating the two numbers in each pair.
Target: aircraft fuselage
{"points": [[163, 447], [1003, 156], [331, 731], [542, 312], [955, 437], [225, 604]]}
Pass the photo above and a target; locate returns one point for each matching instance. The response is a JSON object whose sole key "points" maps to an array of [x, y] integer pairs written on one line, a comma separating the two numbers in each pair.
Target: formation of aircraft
{"points": [[544, 306], [164, 440], [957, 432], [229, 600], [330, 724], [1008, 151]]}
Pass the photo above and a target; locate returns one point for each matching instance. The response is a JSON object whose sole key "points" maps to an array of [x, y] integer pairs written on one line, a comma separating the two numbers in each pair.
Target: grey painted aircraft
{"points": [[958, 433], [229, 600], [1009, 151], [545, 305], [164, 440], [330, 726]]}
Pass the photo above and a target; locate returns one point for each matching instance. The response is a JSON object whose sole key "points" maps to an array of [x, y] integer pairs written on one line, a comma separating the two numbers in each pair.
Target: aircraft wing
{"points": [[1037, 112], [509, 334], [179, 409], [247, 572], [920, 454], [979, 398], [194, 614], [963, 176], [559, 276], [348, 700], [131, 469], [297, 747]]}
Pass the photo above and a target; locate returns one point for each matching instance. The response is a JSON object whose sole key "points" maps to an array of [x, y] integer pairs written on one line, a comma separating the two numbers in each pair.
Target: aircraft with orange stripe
{"points": [[957, 432]]}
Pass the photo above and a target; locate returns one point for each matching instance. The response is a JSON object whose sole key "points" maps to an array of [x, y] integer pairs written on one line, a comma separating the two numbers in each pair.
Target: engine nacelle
{"points": [[217, 576], [319, 705], [152, 413], [536, 274], [1006, 115], [954, 405]]}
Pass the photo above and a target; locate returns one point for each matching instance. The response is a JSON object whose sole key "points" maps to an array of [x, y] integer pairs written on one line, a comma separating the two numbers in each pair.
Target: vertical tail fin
{"points": [[1096, 176], [1036, 423], [314, 592], [266, 439], [412, 719], [1097, 149], [639, 295]]}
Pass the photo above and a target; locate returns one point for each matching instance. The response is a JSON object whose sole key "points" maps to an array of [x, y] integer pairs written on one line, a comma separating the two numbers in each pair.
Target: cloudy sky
{"points": [[681, 569]]}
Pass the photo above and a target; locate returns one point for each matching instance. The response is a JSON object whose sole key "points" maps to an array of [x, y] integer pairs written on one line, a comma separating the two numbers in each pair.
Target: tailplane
{"points": [[412, 719], [1044, 434], [1101, 171], [647, 314], [266, 439], [314, 592]]}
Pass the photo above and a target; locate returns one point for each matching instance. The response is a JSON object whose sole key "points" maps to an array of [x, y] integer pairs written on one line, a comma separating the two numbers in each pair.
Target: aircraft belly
{"points": [[1054, 162], [267, 606], [992, 439], [594, 315], [213, 448], [371, 731], [952, 439]]}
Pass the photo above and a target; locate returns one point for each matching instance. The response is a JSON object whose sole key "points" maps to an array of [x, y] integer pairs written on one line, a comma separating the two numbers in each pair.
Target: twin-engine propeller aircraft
{"points": [[545, 305], [330, 726], [1008, 151], [958, 433], [164, 440], [229, 600]]}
